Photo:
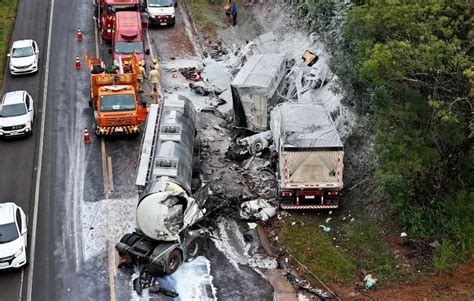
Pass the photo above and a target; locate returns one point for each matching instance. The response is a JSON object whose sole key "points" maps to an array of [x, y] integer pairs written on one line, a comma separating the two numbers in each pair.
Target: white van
{"points": [[162, 12]]}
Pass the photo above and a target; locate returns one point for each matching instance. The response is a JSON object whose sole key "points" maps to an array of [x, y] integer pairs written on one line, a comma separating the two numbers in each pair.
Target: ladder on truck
{"points": [[147, 148]]}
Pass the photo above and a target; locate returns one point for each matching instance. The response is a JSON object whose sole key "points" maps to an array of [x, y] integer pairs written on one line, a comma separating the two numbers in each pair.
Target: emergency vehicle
{"points": [[127, 36], [105, 12]]}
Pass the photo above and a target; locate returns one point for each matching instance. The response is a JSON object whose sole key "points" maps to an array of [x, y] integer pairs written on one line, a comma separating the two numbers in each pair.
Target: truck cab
{"points": [[105, 11], [128, 36], [162, 12], [118, 107]]}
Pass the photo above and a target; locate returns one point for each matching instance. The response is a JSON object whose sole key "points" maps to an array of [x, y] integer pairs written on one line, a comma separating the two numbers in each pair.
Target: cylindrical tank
{"points": [[162, 203]]}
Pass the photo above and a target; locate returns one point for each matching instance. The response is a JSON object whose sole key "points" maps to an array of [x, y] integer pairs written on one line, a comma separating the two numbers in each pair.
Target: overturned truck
{"points": [[255, 90], [168, 175], [310, 156]]}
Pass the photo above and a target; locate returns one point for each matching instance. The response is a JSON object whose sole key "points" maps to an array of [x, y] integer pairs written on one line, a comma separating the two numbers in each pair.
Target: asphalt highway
{"points": [[74, 198], [18, 158]]}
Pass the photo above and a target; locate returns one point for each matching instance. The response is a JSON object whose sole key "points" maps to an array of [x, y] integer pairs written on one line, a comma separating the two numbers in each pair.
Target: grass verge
{"points": [[208, 15], [314, 248], [346, 253], [7, 21], [371, 251]]}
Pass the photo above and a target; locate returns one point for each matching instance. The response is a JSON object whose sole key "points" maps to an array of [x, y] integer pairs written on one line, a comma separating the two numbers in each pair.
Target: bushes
{"points": [[410, 64], [414, 55]]}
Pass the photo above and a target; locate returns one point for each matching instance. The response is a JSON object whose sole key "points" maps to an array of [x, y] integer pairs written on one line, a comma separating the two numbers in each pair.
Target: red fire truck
{"points": [[105, 13]]}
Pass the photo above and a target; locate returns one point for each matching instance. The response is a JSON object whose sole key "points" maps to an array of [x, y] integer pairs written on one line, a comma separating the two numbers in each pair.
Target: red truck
{"points": [[127, 36], [105, 12]]}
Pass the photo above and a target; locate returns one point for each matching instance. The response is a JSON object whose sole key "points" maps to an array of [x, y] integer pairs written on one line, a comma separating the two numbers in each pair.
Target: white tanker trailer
{"points": [[168, 206]]}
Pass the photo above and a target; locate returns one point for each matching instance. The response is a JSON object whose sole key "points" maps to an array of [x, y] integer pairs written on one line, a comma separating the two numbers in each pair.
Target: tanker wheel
{"points": [[129, 239], [194, 249], [173, 262]]}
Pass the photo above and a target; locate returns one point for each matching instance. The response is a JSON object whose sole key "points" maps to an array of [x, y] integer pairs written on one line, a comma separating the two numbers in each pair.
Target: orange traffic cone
{"points": [[79, 35], [78, 63], [87, 137]]}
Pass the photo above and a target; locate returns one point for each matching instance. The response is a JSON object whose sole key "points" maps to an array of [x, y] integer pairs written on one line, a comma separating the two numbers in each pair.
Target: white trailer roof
{"points": [[303, 125], [259, 71]]}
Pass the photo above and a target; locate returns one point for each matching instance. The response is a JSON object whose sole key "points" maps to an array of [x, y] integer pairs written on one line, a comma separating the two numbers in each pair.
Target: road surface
{"points": [[86, 193]]}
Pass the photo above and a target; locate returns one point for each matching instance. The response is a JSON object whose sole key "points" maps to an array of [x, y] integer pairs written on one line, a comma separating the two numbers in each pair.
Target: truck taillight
{"points": [[332, 193], [286, 194]]}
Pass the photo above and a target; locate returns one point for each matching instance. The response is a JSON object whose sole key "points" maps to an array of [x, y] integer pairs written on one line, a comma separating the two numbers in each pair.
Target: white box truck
{"points": [[310, 156]]}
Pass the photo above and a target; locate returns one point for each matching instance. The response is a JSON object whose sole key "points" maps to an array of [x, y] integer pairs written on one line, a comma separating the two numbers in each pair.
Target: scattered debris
{"points": [[256, 143], [328, 219], [252, 225], [309, 58], [325, 228], [435, 244], [403, 234], [257, 209], [201, 90], [369, 281], [191, 73]]}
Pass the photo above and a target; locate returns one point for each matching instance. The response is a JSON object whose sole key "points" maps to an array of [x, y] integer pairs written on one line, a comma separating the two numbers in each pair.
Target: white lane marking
{"points": [[111, 176], [149, 44], [21, 283], [40, 159], [111, 263], [96, 39], [104, 167]]}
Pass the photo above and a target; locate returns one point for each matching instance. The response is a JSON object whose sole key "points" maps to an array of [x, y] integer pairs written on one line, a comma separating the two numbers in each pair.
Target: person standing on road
{"points": [[227, 11], [141, 75], [145, 21], [154, 79], [233, 13], [155, 64]]}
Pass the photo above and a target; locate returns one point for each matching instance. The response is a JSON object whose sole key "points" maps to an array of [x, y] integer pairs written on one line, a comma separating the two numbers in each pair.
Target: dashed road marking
{"points": [[110, 174], [111, 264]]}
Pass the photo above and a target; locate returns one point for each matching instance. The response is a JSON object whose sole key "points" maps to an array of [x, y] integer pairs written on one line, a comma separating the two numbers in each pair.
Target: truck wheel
{"points": [[173, 262], [194, 249], [129, 239], [126, 238]]}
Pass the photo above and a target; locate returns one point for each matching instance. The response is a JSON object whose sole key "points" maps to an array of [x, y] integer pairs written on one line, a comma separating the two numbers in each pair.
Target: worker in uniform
{"points": [[141, 76], [154, 79], [155, 64]]}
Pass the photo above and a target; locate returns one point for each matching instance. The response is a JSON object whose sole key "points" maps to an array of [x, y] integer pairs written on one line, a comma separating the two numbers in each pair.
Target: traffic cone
{"points": [[87, 137], [78, 63], [79, 35]]}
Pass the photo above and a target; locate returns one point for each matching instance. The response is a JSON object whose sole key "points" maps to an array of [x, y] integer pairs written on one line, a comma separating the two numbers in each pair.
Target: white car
{"points": [[16, 114], [23, 57], [13, 236]]}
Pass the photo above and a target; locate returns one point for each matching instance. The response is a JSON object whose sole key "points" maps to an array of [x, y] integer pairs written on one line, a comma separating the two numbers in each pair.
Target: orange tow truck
{"points": [[118, 106]]}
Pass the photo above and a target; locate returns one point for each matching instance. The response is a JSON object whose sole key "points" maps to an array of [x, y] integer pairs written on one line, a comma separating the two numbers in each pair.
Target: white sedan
{"points": [[23, 57], [16, 114], [13, 238]]}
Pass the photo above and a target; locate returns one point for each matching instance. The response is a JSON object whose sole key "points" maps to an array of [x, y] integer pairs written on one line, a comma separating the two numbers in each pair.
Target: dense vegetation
{"points": [[410, 66]]}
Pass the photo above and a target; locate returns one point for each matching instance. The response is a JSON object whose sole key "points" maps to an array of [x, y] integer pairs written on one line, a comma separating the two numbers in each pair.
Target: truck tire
{"points": [[173, 261], [194, 249], [129, 239]]}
